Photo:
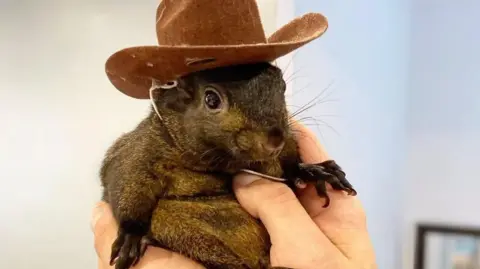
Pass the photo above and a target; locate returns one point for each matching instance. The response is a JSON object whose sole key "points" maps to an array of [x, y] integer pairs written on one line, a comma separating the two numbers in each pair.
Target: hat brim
{"points": [[131, 70]]}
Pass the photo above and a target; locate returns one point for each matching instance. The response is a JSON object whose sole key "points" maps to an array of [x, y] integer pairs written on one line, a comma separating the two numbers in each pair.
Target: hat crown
{"points": [[209, 22]]}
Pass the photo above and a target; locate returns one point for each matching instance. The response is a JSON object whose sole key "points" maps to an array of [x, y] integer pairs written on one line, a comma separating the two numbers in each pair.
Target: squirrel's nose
{"points": [[275, 141]]}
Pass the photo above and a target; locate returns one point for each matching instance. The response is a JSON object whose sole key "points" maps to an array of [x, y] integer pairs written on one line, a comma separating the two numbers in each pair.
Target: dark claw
{"points": [[322, 173], [128, 249], [333, 168], [322, 191], [134, 253], [117, 246]]}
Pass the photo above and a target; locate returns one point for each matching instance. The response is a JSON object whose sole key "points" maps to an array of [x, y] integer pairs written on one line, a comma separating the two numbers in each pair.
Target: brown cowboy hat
{"points": [[195, 35]]}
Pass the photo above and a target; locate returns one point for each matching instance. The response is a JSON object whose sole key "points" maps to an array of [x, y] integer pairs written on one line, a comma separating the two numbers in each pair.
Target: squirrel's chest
{"points": [[184, 182]]}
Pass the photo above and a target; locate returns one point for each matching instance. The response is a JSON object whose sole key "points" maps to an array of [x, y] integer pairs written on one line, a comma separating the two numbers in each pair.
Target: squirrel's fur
{"points": [[169, 180]]}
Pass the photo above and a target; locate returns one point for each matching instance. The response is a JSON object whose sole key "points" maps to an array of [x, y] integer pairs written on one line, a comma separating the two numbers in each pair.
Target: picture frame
{"points": [[447, 247]]}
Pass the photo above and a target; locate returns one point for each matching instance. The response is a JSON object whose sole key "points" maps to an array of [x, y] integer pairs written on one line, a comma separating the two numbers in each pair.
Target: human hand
{"points": [[304, 234], [105, 230]]}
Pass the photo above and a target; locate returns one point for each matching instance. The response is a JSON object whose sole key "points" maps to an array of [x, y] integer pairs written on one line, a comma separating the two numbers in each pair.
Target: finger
{"points": [[161, 258], [102, 265], [310, 149], [287, 222], [344, 221], [105, 232]]}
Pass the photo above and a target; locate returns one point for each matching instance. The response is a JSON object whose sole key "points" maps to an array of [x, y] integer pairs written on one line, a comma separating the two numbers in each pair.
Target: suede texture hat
{"points": [[195, 35]]}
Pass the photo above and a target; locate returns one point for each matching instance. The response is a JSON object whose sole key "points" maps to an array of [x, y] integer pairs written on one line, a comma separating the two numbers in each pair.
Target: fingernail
{"points": [[97, 214], [245, 179]]}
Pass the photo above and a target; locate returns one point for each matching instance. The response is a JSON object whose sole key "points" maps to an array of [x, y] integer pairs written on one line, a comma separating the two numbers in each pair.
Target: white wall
{"points": [[365, 54], [58, 115], [444, 149]]}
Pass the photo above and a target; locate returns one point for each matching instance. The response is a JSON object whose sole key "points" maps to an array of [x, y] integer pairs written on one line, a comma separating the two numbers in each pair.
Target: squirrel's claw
{"points": [[128, 249], [325, 172]]}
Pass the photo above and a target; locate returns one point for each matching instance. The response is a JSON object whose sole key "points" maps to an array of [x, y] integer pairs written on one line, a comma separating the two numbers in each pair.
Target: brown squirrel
{"points": [[169, 180]]}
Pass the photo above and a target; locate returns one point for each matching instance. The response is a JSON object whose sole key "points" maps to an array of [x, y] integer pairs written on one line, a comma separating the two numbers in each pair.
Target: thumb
{"points": [[260, 196], [287, 222]]}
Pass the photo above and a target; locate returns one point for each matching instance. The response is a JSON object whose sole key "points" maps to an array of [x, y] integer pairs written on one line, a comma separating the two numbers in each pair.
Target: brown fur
{"points": [[169, 180]]}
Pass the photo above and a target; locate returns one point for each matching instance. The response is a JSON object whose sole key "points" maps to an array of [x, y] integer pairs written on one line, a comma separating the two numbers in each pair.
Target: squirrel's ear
{"points": [[176, 98]]}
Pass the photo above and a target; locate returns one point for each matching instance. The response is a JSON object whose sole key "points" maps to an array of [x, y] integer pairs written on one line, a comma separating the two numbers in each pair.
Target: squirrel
{"points": [[169, 180]]}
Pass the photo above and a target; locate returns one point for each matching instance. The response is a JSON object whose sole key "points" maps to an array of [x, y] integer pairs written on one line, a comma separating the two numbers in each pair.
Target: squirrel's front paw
{"points": [[325, 172], [128, 248]]}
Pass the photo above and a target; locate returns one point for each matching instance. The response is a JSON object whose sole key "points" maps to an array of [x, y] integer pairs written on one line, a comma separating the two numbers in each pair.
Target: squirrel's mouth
{"points": [[234, 160]]}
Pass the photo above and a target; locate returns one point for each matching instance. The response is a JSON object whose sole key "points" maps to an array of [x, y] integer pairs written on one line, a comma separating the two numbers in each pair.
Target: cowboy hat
{"points": [[195, 35]]}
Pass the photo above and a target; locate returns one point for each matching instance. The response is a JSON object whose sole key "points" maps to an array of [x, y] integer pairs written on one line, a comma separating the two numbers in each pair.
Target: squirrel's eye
{"points": [[212, 100]]}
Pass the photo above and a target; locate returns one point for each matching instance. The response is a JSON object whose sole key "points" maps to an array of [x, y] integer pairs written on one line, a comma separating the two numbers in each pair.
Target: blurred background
{"points": [[398, 87]]}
